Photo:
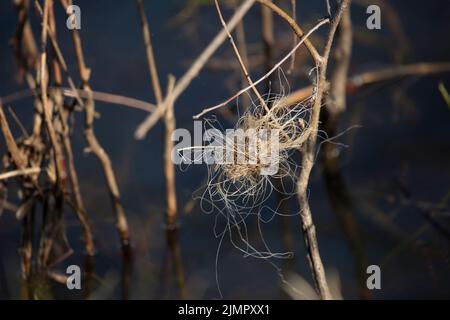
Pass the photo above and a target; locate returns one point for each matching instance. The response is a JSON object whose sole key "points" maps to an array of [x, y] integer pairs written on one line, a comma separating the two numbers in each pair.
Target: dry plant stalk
{"points": [[169, 169], [57, 96], [149, 52], [309, 139], [268, 39], [61, 121], [336, 103], [294, 17], [266, 76], [94, 145], [240, 186], [295, 27], [59, 162], [360, 80], [169, 118], [308, 151], [78, 94], [239, 58], [195, 68], [242, 46]]}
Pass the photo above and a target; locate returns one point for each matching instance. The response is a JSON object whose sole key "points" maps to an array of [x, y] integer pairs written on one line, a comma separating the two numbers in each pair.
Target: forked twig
{"points": [[195, 68], [94, 145], [238, 56], [169, 170], [302, 40], [169, 119], [58, 155]]}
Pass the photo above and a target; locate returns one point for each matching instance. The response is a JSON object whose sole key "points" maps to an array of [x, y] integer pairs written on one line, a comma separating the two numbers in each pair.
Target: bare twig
{"points": [[18, 122], [206, 110], [239, 58], [308, 149], [393, 21], [268, 40], [294, 17], [341, 55], [421, 68], [444, 93], [298, 31], [17, 156], [20, 172], [169, 170], [64, 114], [299, 95], [328, 8], [60, 57], [58, 155], [357, 81], [169, 119], [96, 95], [94, 145], [149, 52], [195, 68]]}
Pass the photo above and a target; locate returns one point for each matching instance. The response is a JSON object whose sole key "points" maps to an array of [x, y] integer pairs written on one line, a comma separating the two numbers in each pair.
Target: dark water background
{"points": [[402, 144]]}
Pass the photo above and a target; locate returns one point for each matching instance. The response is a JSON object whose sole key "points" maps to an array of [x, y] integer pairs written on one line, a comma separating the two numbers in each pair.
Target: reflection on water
{"points": [[380, 200]]}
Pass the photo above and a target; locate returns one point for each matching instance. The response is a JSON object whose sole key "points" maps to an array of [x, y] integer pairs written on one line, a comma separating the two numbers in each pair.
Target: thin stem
{"points": [[238, 56], [207, 110], [57, 96], [96, 95], [242, 46], [336, 103], [268, 42], [169, 119], [58, 158], [59, 56], [308, 148], [169, 170], [195, 68], [149, 52], [20, 172], [298, 31], [94, 145], [295, 37]]}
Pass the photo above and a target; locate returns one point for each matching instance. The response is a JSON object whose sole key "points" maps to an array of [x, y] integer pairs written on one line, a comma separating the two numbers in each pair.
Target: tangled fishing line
{"points": [[239, 190]]}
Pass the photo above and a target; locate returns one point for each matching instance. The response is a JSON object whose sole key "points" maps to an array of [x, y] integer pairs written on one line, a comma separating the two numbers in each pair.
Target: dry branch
{"points": [[336, 103], [268, 40], [294, 18], [58, 155], [169, 170], [94, 145], [239, 58], [96, 95], [149, 52], [20, 172], [267, 75], [169, 119], [308, 158], [298, 31], [359, 80], [195, 68]]}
